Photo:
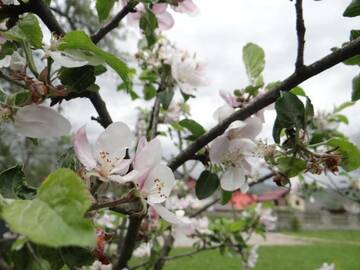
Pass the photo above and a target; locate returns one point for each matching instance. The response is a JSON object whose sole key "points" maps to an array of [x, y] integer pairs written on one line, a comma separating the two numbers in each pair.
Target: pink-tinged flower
{"points": [[164, 18], [234, 155], [188, 73], [153, 179], [186, 6], [106, 159], [36, 121], [230, 99]]}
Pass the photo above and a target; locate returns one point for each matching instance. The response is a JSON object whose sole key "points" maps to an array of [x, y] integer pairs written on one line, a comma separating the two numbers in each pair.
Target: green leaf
{"points": [[194, 127], [148, 23], [149, 91], [206, 185], [290, 111], [225, 196], [355, 95], [27, 29], [79, 40], [55, 217], [166, 98], [291, 166], [13, 184], [273, 85], [341, 118], [353, 9], [309, 111], [77, 79], [103, 8], [350, 153], [343, 106], [22, 98], [277, 129], [149, 76], [254, 60], [298, 91], [354, 34]]}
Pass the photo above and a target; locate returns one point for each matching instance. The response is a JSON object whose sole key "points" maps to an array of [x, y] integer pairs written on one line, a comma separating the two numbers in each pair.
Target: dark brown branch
{"points": [[100, 106], [154, 119], [111, 25], [39, 8], [260, 102], [300, 31], [129, 243]]}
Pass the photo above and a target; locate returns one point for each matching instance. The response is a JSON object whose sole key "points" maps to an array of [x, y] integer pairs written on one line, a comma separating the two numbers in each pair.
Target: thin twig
{"points": [[8, 79], [111, 25], [300, 31], [154, 119], [66, 16]]}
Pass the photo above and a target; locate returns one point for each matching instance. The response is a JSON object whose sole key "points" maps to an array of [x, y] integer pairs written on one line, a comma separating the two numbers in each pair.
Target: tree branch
{"points": [[154, 119], [260, 102], [111, 25], [100, 106], [300, 31]]}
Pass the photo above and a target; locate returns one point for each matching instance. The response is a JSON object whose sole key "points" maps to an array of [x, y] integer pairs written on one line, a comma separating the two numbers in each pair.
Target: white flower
{"points": [[253, 257], [106, 220], [233, 150], [153, 179], [266, 217], [188, 73], [186, 6], [106, 159], [97, 265], [190, 226], [173, 113], [144, 250], [327, 266], [36, 121], [17, 62]]}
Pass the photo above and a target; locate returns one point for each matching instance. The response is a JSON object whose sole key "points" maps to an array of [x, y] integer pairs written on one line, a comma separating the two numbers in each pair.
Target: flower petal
{"points": [[113, 141], [159, 184], [65, 60], [165, 20], [83, 149], [41, 122], [121, 167], [149, 155], [159, 8], [166, 214], [186, 6], [218, 148], [252, 128], [223, 112], [233, 179]]}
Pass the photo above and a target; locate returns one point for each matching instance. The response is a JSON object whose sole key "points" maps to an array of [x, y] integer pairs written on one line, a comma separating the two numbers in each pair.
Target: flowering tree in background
{"points": [[118, 197]]}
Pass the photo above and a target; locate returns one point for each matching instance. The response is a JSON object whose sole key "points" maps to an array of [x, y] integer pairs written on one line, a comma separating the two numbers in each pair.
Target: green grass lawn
{"points": [[330, 235], [310, 257]]}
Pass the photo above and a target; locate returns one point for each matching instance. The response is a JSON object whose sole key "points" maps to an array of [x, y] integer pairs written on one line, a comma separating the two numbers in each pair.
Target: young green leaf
{"points": [[350, 159], [27, 29], [79, 40], [77, 79], [290, 111], [254, 60], [353, 9], [355, 95], [206, 185], [149, 23], [298, 91], [13, 184], [194, 127], [277, 129], [103, 8], [56, 216], [149, 91], [291, 166]]}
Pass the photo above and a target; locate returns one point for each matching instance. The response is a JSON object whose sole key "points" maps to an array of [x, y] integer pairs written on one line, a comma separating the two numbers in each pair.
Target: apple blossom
{"points": [[17, 63], [266, 217], [97, 265], [188, 72], [253, 257], [144, 250], [230, 99], [164, 18], [106, 159], [37, 121], [327, 266], [153, 179], [185, 6], [190, 226]]}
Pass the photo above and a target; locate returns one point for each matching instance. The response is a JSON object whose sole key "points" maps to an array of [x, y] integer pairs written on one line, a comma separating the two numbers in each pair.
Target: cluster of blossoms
{"points": [[187, 71], [234, 149], [327, 266], [163, 16], [108, 161]]}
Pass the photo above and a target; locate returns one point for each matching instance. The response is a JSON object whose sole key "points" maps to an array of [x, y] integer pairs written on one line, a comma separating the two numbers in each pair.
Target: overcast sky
{"points": [[218, 34]]}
